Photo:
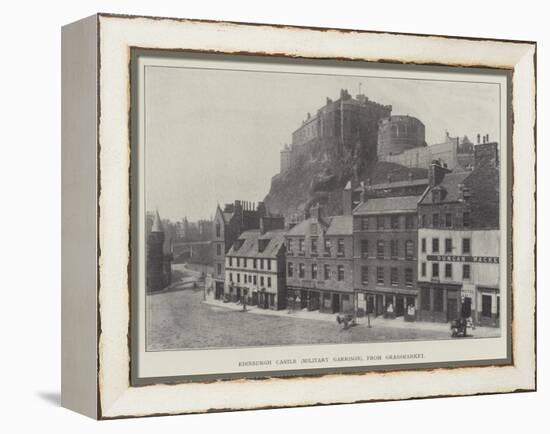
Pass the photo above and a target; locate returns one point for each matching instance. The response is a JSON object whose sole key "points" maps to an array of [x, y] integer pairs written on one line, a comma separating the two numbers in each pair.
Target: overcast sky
{"points": [[213, 136]]}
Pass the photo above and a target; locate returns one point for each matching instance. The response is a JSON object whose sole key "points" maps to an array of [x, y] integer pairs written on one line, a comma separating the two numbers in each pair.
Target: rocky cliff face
{"points": [[321, 172]]}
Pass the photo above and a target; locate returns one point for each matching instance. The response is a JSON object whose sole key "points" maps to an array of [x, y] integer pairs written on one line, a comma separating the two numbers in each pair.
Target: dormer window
{"points": [[238, 244], [262, 244]]}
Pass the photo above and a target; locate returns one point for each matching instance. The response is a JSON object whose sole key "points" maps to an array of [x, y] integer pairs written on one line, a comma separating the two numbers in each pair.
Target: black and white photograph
{"points": [[285, 207]]}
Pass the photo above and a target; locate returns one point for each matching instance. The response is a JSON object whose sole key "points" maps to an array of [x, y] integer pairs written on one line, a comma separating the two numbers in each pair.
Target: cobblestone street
{"points": [[179, 318]]}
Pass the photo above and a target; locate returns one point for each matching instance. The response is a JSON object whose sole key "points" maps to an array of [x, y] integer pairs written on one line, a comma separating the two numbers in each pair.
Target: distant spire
{"points": [[157, 223]]}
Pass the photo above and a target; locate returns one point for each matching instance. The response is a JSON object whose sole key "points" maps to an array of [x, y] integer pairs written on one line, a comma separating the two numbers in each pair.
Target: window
{"points": [[394, 221], [313, 228], [380, 275], [425, 299], [218, 249], [423, 245], [365, 275], [435, 270], [238, 277], [466, 272], [393, 276], [448, 220], [380, 222], [301, 245], [245, 278], [238, 262], [486, 302], [340, 246], [409, 249], [268, 264], [262, 281], [364, 248], [218, 230], [438, 301], [262, 264], [448, 245], [327, 246], [423, 269], [230, 261], [466, 246], [219, 269], [290, 269], [255, 280], [290, 245], [449, 271], [394, 248], [327, 271], [244, 262], [314, 271], [408, 277], [435, 220], [269, 282], [380, 249], [435, 245], [364, 223], [340, 272], [423, 221], [301, 271], [466, 219], [409, 222], [314, 245]]}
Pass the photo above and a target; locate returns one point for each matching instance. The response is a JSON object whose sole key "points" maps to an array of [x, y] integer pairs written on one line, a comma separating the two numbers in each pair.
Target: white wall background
{"points": [[30, 215]]}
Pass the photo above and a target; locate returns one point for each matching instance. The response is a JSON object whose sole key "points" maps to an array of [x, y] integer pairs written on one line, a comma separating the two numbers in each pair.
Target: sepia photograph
{"points": [[301, 205]]}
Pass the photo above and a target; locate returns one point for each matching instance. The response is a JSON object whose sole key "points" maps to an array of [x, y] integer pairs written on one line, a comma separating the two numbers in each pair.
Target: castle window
{"points": [[290, 269]]}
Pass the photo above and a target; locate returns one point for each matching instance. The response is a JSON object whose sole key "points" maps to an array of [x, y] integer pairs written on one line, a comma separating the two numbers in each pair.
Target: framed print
{"points": [[263, 216]]}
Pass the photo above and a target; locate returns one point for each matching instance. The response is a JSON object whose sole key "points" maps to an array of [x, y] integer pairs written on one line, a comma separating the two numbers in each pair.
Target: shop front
{"points": [[391, 303], [439, 302]]}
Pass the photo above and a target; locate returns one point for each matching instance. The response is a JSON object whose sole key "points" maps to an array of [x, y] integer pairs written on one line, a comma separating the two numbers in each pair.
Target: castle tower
{"points": [[156, 280]]}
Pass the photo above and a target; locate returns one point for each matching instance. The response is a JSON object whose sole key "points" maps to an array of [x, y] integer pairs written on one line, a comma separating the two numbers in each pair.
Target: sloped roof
{"points": [[387, 205], [450, 186], [304, 227], [157, 223], [341, 225], [250, 247]]}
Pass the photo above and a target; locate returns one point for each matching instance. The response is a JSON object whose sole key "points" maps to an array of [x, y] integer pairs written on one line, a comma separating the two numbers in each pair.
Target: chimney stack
{"points": [[478, 138]]}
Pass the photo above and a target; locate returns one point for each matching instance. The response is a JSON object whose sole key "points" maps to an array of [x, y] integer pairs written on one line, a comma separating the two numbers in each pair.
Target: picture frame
{"points": [[108, 368]]}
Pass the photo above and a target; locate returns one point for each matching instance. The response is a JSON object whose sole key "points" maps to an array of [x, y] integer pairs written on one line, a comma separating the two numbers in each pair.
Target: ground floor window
{"points": [[438, 301], [486, 302], [425, 298]]}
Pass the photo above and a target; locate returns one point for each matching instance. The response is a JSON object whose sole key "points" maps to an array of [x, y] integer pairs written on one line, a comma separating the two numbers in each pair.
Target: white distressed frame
{"points": [[116, 36]]}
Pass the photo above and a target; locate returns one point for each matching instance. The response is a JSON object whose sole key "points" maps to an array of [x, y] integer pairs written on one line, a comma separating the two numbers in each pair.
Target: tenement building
{"points": [[385, 255], [229, 223], [320, 263], [459, 242], [159, 258], [255, 267]]}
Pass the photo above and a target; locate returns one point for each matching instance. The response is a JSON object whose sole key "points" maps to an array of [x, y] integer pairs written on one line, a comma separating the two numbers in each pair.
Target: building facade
{"points": [[320, 263], [255, 269], [228, 224], [459, 243], [159, 259], [385, 256]]}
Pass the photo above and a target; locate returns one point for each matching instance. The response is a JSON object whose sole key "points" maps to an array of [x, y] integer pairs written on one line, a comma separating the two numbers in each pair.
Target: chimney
{"points": [[478, 138], [347, 204], [316, 212], [436, 173], [270, 223], [363, 197], [486, 155]]}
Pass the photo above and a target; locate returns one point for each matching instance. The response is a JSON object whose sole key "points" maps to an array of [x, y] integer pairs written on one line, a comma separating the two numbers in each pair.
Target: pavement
{"points": [[397, 323]]}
